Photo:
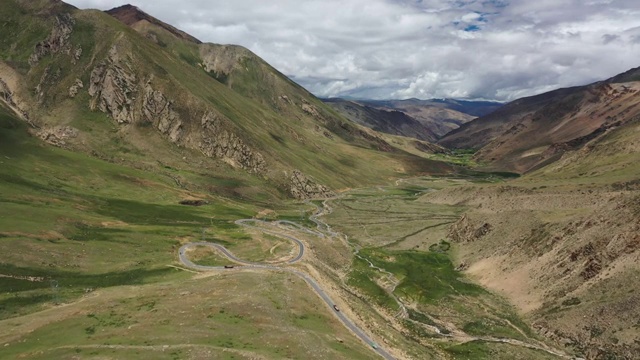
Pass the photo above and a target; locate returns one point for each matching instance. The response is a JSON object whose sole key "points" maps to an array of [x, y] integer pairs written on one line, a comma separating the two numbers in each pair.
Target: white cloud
{"points": [[492, 49]]}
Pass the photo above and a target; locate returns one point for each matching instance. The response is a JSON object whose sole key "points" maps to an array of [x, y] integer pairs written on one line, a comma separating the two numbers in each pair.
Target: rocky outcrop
{"points": [[7, 96], [73, 90], [304, 188], [223, 144], [221, 60], [213, 140], [157, 109], [58, 135], [49, 77], [76, 55], [310, 109], [466, 230], [112, 87], [58, 40], [5, 92]]}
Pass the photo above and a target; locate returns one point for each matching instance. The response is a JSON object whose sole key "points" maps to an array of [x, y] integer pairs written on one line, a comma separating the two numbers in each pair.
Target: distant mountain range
{"points": [[422, 119]]}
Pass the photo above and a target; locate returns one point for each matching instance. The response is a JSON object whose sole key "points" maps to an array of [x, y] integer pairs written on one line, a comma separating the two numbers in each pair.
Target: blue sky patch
{"points": [[472, 28]]}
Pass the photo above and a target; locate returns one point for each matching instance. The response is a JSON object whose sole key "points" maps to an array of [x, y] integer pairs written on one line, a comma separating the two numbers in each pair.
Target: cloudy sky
{"points": [[468, 49]]}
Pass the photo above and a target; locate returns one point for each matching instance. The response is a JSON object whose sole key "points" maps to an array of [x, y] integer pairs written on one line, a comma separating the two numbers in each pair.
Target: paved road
{"points": [[308, 279]]}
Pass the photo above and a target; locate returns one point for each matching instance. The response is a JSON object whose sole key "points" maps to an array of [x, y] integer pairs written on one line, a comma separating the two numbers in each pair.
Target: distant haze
{"points": [[381, 49]]}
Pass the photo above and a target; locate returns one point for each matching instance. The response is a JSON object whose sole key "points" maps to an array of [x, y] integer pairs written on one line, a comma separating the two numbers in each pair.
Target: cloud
{"points": [[607, 38], [490, 49]]}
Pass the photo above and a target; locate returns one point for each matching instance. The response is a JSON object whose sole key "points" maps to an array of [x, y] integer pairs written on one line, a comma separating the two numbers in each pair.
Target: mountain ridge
{"points": [[388, 121], [131, 15], [438, 116]]}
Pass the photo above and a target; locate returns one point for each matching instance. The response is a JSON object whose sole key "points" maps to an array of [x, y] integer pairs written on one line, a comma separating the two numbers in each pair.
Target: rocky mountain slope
{"points": [[529, 133], [126, 87], [563, 244], [387, 121]]}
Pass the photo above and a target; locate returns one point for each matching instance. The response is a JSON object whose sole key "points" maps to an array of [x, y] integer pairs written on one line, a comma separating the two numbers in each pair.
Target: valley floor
{"points": [[384, 260]]}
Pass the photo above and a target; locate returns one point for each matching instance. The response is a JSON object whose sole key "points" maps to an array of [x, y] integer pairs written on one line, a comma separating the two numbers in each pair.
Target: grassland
{"points": [[85, 232], [228, 316], [389, 216], [87, 245]]}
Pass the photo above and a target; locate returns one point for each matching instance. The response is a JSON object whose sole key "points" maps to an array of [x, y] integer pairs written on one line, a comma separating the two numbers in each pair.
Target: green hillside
{"points": [[139, 99]]}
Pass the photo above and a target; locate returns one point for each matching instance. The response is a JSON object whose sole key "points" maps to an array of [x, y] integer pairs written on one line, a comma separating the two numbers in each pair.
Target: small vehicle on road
{"points": [[228, 266], [335, 307]]}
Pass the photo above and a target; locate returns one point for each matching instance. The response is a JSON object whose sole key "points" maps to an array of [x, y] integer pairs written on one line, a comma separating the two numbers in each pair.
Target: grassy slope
{"points": [[294, 138], [84, 224], [88, 223]]}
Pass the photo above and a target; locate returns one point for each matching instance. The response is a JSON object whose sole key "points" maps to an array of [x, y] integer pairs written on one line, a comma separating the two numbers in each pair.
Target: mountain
{"points": [[126, 87], [562, 241], [531, 132], [134, 17], [386, 121], [439, 115]]}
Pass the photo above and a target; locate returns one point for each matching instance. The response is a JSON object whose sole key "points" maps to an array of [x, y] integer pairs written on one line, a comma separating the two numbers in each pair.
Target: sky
{"points": [[397, 49]]}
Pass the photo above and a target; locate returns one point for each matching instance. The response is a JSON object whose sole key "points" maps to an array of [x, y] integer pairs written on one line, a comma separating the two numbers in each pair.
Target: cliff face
{"points": [[113, 88]]}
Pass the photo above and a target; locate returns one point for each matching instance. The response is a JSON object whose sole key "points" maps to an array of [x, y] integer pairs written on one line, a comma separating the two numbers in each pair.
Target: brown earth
{"points": [[565, 255]]}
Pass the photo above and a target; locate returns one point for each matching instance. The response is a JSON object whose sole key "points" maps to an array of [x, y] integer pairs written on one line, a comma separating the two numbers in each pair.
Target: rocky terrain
{"points": [[567, 258]]}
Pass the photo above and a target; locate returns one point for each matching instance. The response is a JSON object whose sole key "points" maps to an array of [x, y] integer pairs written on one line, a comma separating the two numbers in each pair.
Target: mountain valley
{"points": [[167, 198]]}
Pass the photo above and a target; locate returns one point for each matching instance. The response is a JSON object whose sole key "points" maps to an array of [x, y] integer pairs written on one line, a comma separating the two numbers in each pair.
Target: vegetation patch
{"points": [[571, 301], [492, 327], [425, 277], [441, 247]]}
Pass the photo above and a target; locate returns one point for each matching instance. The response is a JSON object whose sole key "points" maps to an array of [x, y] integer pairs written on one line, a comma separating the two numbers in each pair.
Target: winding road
{"points": [[308, 279]]}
